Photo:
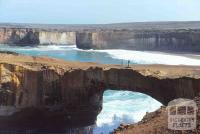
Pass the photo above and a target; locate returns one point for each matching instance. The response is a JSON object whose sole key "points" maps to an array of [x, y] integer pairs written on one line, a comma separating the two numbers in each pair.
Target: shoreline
{"points": [[86, 81], [191, 55]]}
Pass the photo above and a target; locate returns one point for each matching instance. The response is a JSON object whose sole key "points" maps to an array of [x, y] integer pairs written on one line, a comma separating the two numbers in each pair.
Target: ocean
{"points": [[118, 106]]}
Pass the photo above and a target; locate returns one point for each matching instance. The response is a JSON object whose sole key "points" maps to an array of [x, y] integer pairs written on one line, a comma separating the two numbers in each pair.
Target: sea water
{"points": [[118, 106]]}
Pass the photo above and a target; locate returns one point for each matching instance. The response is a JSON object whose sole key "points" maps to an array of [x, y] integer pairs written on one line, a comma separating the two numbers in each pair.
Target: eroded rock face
{"points": [[54, 90], [29, 36], [160, 36], [56, 37], [68, 96], [154, 40], [19, 36]]}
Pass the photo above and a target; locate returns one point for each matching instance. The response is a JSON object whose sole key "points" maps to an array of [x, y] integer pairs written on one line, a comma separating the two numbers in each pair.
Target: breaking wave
{"points": [[145, 57], [136, 57], [123, 107], [118, 106]]}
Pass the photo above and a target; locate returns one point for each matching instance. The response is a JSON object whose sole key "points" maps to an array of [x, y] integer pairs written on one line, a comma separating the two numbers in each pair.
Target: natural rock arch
{"points": [[73, 91]]}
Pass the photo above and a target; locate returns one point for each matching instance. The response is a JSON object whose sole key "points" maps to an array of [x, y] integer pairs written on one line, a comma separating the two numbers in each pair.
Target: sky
{"points": [[97, 11]]}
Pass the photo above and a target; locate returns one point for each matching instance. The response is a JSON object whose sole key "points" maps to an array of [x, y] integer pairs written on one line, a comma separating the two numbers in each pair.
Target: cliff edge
{"points": [[152, 36], [52, 90]]}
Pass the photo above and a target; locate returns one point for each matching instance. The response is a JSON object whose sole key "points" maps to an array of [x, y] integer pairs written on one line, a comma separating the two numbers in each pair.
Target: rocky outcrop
{"points": [[159, 40], [55, 37], [156, 123], [159, 36], [18, 36], [53, 90], [29, 36]]}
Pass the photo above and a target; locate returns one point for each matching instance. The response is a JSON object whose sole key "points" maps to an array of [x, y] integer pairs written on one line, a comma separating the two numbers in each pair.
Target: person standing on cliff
{"points": [[128, 63]]}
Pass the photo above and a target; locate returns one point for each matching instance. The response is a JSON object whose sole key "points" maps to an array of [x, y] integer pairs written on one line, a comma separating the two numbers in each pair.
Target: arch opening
{"points": [[123, 106]]}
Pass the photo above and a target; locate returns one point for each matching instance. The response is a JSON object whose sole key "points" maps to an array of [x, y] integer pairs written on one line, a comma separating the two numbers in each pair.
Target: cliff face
{"points": [[141, 40], [61, 38], [19, 36], [73, 92], [35, 37], [163, 36]]}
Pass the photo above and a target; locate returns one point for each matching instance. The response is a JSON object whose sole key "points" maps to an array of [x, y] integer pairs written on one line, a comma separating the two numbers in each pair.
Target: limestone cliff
{"points": [[159, 40], [29, 36], [18, 36], [54, 90], [159, 36], [55, 37]]}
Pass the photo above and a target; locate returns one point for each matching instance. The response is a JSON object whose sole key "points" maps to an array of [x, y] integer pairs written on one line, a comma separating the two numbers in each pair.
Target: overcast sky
{"points": [[98, 11]]}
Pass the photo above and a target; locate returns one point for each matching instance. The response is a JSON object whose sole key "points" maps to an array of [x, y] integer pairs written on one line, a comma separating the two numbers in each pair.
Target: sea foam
{"points": [[146, 57], [136, 57], [118, 106], [123, 107]]}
